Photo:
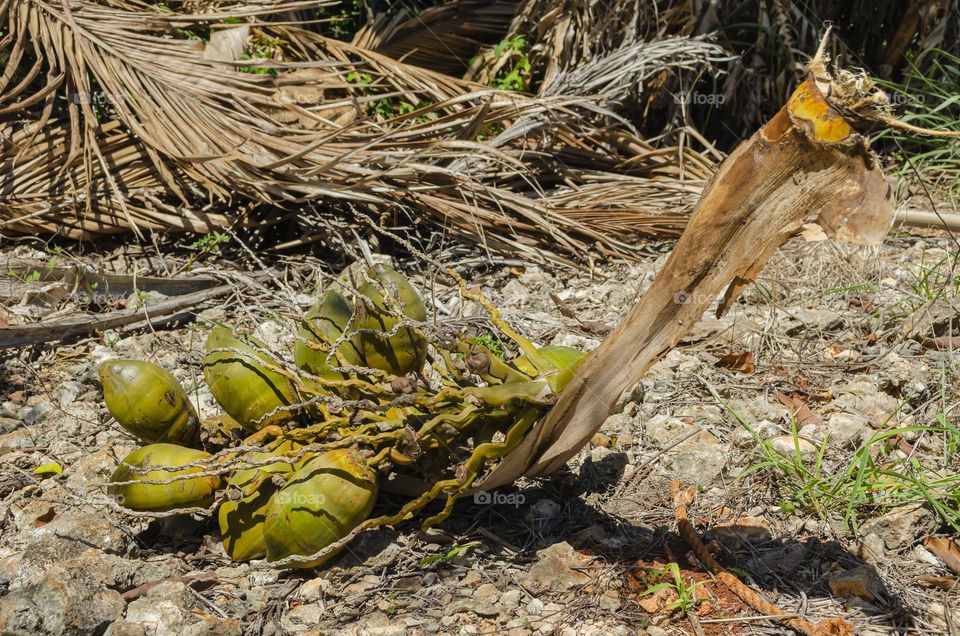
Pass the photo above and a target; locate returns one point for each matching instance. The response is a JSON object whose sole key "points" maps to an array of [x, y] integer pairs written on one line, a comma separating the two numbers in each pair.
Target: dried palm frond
{"points": [[443, 38], [622, 72], [767, 41], [607, 50], [192, 141], [53, 193]]}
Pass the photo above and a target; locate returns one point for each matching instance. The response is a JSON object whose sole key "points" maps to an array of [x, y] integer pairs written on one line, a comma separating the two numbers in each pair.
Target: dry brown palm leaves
{"points": [[443, 38], [768, 41], [43, 183], [111, 123]]}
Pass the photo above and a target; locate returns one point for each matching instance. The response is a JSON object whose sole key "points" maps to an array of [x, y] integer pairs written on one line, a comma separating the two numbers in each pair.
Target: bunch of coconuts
{"points": [[296, 461]]}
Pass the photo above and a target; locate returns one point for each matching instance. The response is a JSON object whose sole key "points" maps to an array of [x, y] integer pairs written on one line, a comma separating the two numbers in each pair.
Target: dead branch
{"points": [[928, 218], [682, 497], [158, 312]]}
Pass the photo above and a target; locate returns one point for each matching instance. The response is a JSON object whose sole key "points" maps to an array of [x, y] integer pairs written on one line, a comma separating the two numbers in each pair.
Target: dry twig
{"points": [[682, 497]]}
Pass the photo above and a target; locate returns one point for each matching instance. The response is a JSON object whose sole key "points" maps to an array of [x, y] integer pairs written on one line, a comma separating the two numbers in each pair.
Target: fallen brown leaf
{"points": [[597, 327], [820, 396], [590, 326], [943, 582], [655, 603], [45, 518], [785, 560], [862, 581], [740, 362], [196, 581], [946, 550], [863, 301], [562, 306], [902, 445], [943, 343], [799, 408], [739, 534], [605, 441]]}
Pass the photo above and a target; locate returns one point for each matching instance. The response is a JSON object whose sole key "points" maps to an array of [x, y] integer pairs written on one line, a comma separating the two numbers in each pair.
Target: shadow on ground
{"points": [[567, 507]]}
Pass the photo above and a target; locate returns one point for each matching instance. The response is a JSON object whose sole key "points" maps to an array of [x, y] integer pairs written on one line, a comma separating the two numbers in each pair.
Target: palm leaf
{"points": [[193, 142], [443, 38]]}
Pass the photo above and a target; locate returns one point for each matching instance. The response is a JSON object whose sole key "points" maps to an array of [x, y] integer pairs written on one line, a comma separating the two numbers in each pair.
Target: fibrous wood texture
{"points": [[806, 168]]}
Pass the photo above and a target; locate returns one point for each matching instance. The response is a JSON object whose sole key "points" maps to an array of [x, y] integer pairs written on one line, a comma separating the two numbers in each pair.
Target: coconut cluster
{"points": [[375, 395]]}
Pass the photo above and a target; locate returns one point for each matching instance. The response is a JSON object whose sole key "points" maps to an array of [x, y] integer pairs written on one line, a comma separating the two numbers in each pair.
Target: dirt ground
{"points": [[818, 421]]}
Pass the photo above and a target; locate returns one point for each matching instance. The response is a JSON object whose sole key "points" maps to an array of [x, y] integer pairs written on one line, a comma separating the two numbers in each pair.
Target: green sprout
{"points": [[209, 243], [515, 73], [686, 591]]}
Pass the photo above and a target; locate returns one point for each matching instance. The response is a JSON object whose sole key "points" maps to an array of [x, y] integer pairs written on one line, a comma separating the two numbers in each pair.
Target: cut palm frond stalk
{"points": [[807, 171]]}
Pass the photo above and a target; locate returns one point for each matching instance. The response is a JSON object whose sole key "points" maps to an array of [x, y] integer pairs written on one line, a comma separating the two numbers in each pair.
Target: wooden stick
{"points": [[928, 218], [16, 275], [683, 497], [157, 313]]}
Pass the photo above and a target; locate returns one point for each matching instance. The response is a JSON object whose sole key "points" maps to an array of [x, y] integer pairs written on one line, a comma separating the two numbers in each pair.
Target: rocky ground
{"points": [[829, 391]]}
